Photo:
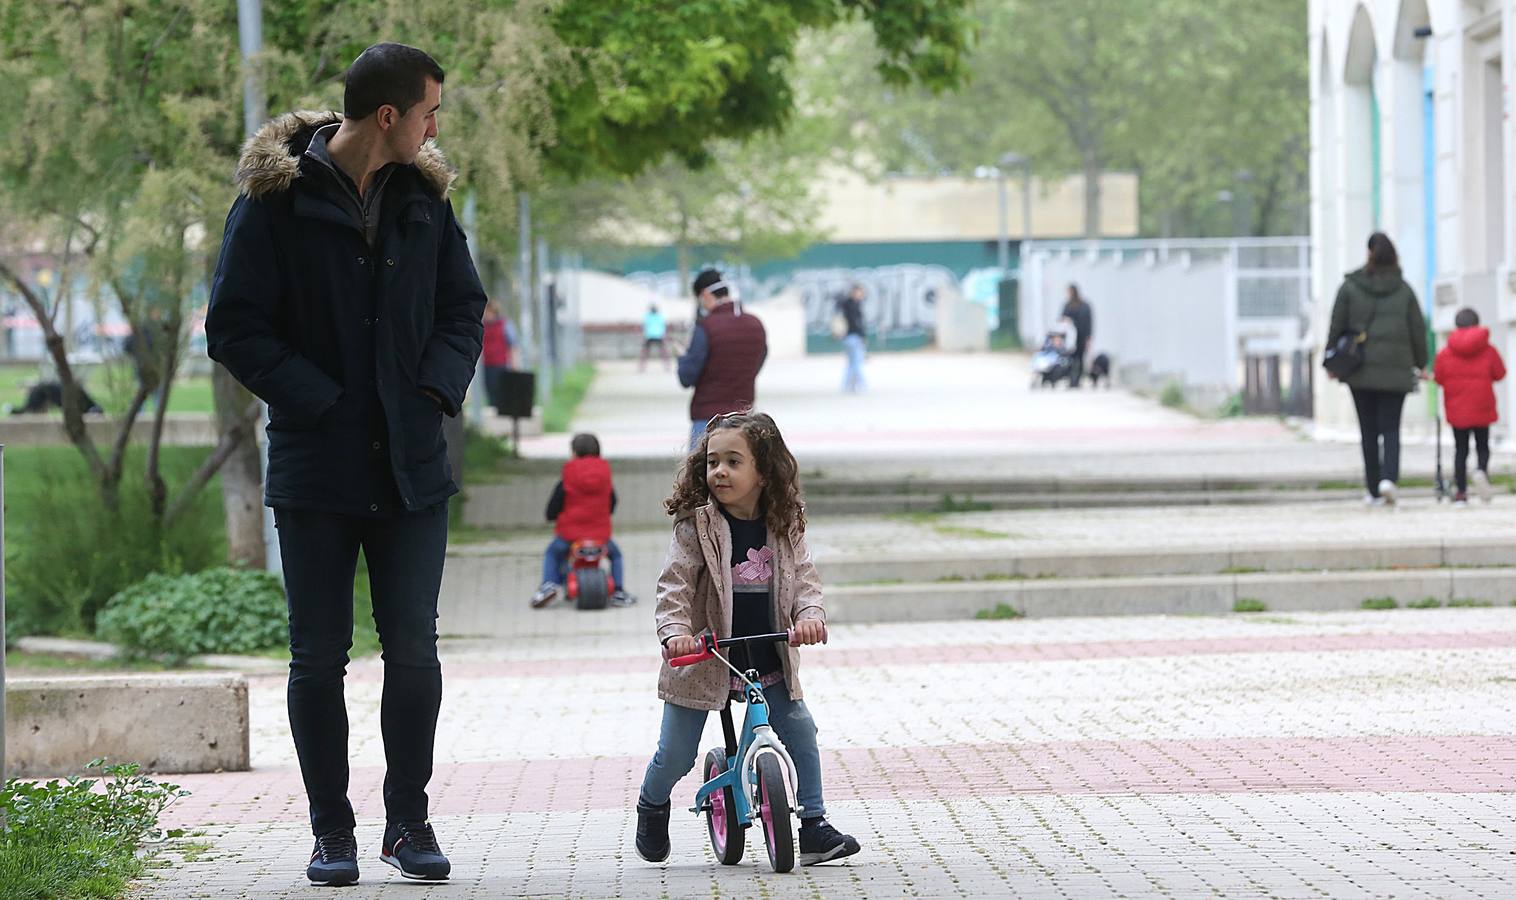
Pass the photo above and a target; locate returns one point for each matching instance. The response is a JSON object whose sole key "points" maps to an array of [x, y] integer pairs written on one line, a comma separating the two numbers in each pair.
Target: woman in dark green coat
{"points": [[1376, 301]]}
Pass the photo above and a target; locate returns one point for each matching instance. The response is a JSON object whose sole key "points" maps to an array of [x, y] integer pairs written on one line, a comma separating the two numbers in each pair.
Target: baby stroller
{"points": [[1053, 362]]}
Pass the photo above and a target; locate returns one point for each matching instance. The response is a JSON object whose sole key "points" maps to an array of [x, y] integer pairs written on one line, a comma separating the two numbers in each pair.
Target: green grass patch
{"points": [[81, 837], [1001, 611], [1172, 395], [558, 415], [1469, 603], [950, 504], [1425, 603], [992, 576], [1249, 605], [969, 531], [1241, 570], [1379, 603]]}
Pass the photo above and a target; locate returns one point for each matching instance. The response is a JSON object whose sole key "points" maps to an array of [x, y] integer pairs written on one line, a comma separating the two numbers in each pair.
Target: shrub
{"points": [[1249, 605], [1172, 395], [1424, 603], [216, 611], [1380, 603], [65, 556], [66, 839]]}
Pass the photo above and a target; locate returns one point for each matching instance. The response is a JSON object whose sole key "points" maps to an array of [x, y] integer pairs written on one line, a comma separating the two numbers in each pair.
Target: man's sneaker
{"points": [[1482, 486], [334, 861], [1387, 491], [820, 842], [622, 598], [653, 831], [1460, 499], [412, 848], [545, 595]]}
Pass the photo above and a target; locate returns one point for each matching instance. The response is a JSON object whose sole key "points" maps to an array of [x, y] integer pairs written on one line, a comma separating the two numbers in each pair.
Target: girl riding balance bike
{"points": [[738, 567]]}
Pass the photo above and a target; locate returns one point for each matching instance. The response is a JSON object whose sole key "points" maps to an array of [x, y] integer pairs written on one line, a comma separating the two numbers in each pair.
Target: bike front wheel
{"points": [[774, 813], [721, 813]]}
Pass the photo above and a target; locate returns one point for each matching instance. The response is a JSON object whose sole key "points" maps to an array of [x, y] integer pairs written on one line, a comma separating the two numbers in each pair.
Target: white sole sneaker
{"points": [[1482, 486], [1387, 491]]}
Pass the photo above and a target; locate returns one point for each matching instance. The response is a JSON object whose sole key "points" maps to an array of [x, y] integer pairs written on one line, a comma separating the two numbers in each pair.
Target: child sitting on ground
{"points": [[582, 503], [738, 566], [1467, 369]]}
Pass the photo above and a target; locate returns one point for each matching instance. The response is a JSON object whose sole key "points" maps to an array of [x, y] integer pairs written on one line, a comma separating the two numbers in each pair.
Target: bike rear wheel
{"points": [[727, 839], [774, 813]]}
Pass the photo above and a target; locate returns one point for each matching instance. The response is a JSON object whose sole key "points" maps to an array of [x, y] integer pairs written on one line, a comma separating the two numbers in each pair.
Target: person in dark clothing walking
{"points": [[346, 299], [855, 341], [1077, 311], [1375, 301], [1467, 369], [727, 348]]}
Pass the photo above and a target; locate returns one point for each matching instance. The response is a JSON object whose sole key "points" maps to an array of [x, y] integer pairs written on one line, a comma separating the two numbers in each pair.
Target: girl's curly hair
{"points": [[780, 499]]}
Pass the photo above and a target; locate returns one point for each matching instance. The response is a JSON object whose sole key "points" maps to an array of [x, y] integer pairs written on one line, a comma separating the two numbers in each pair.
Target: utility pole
{"points": [[254, 111]]}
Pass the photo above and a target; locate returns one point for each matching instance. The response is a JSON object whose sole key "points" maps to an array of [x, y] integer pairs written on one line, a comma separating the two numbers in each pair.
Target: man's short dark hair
{"points": [[391, 74], [1466, 318], [585, 445]]}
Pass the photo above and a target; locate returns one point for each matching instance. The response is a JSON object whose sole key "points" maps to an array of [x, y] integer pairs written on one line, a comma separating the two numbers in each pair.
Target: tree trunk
{"points": [[241, 476], [1091, 194]]}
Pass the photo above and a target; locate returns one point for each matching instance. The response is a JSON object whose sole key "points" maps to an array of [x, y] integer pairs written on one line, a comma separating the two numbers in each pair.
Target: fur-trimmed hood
{"points": [[270, 160]]}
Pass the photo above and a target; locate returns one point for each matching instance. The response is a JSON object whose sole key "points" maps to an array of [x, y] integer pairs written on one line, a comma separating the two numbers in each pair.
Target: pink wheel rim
{"points": [[718, 811]]}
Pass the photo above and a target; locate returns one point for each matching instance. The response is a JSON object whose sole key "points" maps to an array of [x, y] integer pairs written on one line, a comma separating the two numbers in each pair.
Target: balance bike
{"points": [[588, 584], [746, 779]]}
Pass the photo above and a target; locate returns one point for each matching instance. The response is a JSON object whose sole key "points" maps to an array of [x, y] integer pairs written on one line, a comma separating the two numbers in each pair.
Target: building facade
{"points": [[1411, 135]]}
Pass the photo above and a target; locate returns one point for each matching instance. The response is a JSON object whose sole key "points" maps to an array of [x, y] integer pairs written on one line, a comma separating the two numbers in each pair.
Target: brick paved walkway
{"points": [[1347, 754]]}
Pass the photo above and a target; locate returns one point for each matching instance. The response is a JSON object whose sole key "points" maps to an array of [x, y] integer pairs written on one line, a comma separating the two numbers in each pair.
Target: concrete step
{"points": [[1161, 561], [1173, 595]]}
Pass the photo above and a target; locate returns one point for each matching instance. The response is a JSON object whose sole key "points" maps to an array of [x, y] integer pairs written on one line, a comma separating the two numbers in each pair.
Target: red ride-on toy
{"points": [[588, 584]]}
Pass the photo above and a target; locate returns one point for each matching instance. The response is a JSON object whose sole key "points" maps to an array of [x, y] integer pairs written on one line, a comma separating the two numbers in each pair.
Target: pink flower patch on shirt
{"points": [[757, 570]]}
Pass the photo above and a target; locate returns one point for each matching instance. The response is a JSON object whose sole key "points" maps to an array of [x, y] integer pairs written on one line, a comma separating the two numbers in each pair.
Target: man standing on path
{"points": [[346, 299], [727, 348]]}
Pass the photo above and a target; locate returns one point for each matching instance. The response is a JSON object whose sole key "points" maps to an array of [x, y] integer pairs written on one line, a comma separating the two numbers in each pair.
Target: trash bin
{"points": [[515, 392]]}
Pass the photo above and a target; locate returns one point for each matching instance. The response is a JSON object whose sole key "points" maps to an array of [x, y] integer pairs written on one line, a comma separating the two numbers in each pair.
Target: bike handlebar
{"points": [[709, 651]]}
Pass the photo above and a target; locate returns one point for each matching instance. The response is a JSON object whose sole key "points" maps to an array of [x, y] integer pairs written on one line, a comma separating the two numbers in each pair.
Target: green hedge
{"points": [[215, 611]]}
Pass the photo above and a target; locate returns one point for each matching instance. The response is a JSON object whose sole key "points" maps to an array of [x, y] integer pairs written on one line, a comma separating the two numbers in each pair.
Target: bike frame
{"points": [[757, 736]]}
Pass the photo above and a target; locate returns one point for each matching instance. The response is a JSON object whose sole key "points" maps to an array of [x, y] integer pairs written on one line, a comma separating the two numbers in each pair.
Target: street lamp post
{"points": [[1017, 161]]}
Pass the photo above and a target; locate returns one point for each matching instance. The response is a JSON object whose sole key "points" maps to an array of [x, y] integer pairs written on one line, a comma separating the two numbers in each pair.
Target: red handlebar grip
{"points": [[691, 659]]}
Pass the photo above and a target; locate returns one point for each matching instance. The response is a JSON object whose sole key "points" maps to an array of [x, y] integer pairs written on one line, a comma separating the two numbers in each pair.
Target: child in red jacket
{"points": [[582, 503], [1467, 369]]}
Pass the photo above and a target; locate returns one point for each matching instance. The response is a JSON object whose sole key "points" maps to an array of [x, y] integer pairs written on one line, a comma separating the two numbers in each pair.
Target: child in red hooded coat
{"points": [[1467, 369], [582, 503]]}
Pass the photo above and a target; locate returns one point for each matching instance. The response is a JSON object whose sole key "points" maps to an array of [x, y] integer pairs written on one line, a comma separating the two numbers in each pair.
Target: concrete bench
{"points": [[168, 723]]}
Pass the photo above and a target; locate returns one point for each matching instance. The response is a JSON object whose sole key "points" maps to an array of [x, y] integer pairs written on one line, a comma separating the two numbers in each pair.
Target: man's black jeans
{"points": [[405, 555]]}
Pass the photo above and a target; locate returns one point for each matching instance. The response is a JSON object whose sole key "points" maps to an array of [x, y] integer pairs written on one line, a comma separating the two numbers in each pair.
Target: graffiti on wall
{"points": [[897, 299]]}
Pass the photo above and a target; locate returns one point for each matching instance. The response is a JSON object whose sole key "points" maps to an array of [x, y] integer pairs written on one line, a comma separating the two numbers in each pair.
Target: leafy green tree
{"points": [[1196, 96]]}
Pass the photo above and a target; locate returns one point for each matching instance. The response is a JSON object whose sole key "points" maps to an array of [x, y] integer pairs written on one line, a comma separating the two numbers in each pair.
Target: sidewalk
{"points": [[1343, 755], [1351, 754]]}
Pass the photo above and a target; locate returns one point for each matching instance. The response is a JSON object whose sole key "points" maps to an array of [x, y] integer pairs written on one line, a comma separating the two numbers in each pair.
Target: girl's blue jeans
{"points": [[679, 743]]}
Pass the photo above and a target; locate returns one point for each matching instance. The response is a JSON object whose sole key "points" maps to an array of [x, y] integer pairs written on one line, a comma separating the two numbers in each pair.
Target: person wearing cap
{"points": [[727, 348]]}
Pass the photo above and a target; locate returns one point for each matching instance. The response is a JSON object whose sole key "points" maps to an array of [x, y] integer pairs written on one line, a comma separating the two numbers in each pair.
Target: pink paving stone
{"points": [[1446, 764], [845, 657]]}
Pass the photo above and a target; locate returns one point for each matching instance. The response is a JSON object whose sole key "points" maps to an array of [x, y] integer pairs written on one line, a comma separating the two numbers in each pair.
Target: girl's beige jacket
{"points": [[695, 594]]}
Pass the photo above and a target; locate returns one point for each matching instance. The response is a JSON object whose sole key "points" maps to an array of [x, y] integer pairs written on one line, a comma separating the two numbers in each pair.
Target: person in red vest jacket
{"points": [[497, 351], [1467, 369], [582, 503], [727, 348]]}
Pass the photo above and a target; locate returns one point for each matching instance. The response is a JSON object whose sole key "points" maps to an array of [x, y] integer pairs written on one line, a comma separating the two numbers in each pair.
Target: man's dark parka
{"points": [[340, 337]]}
